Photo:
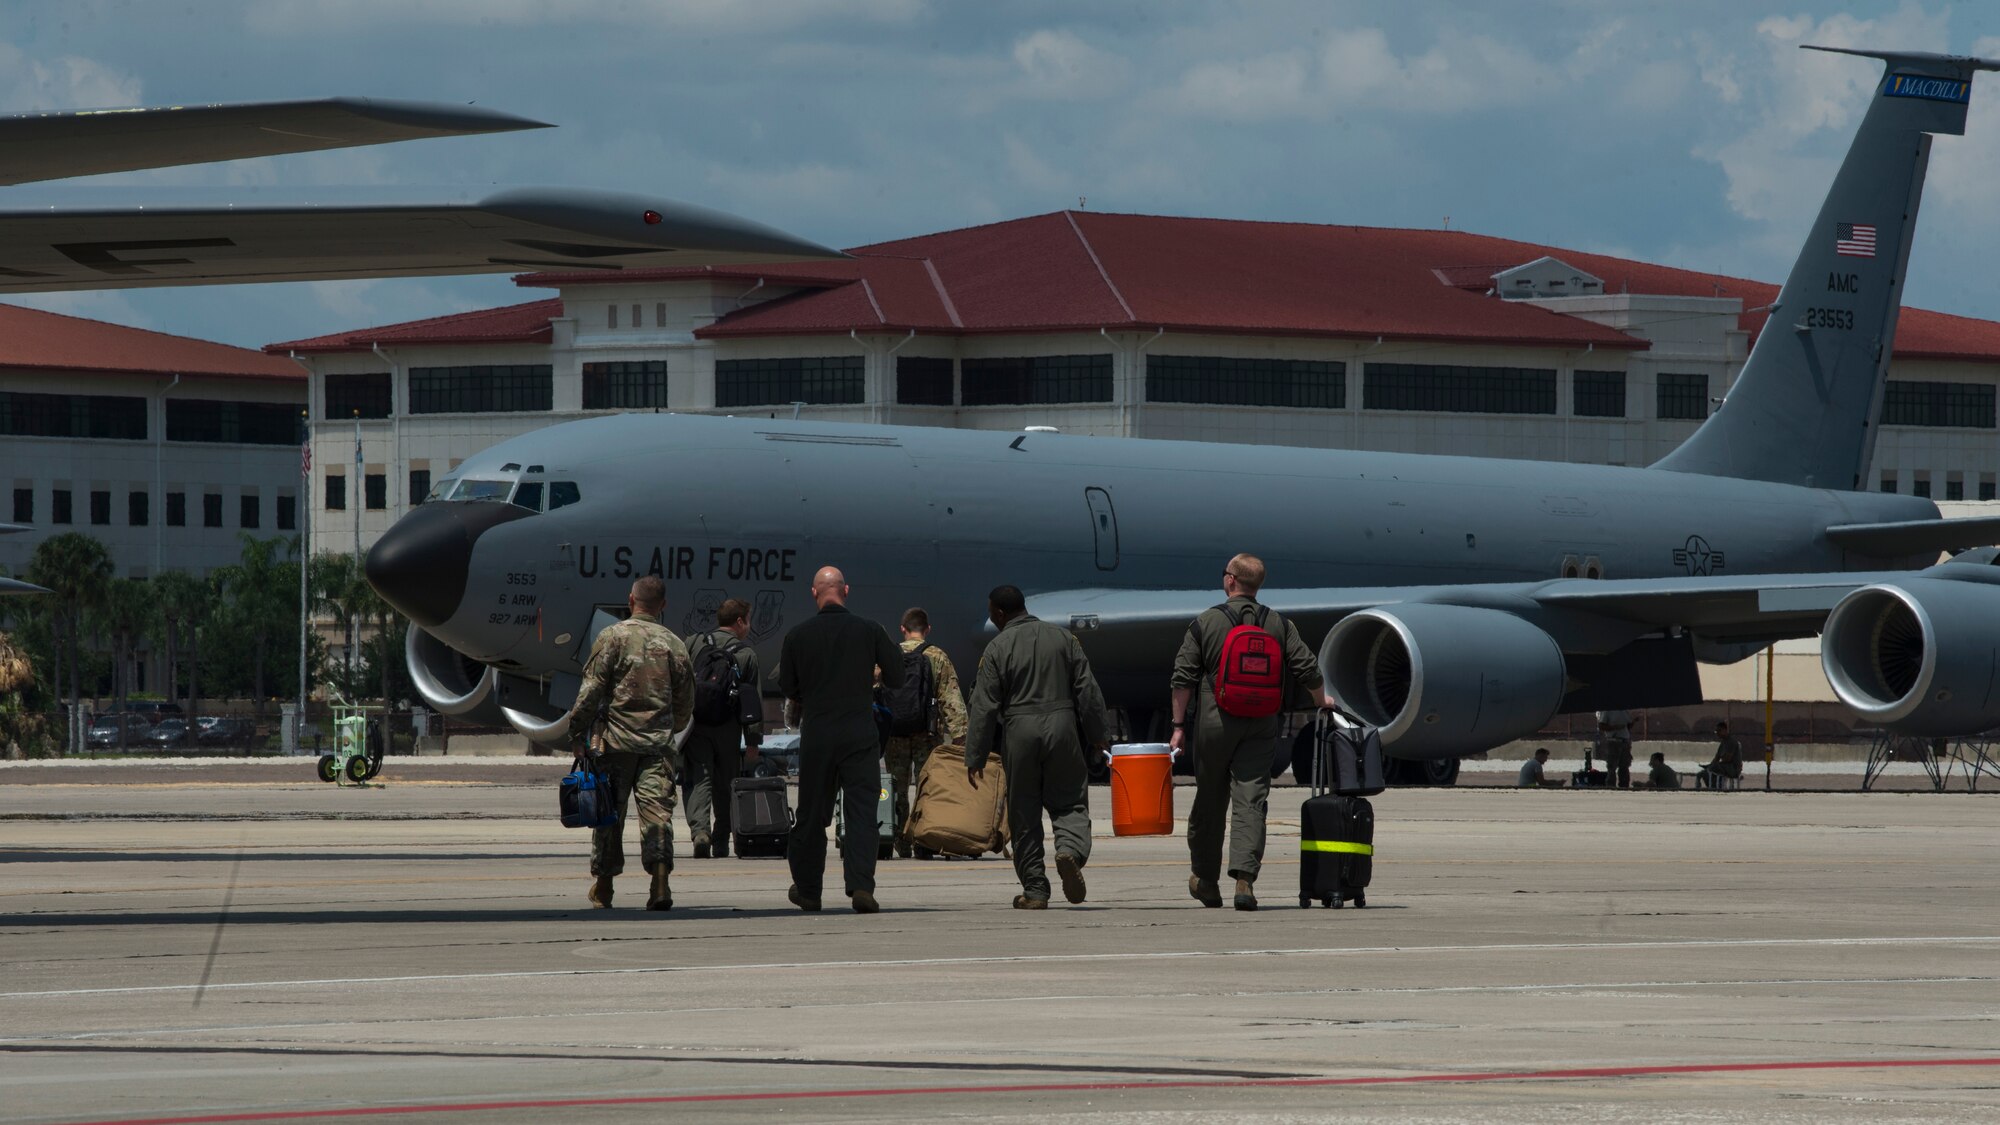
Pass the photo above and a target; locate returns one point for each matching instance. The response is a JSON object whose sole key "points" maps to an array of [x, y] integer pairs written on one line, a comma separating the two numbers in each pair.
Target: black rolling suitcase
{"points": [[1337, 828], [762, 816]]}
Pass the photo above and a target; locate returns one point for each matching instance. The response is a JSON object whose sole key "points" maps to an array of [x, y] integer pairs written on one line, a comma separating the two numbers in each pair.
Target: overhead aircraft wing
{"points": [[58, 248], [11, 586], [54, 146]]}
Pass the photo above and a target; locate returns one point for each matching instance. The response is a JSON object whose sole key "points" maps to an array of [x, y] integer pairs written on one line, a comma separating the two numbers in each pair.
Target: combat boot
{"points": [[701, 847], [864, 903], [721, 848], [903, 848], [1023, 902], [1071, 872], [600, 892], [1204, 891], [661, 898], [1246, 899]]}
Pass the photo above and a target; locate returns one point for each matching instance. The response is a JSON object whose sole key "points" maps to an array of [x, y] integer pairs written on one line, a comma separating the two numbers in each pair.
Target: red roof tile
{"points": [[44, 341], [1089, 270], [514, 324]]}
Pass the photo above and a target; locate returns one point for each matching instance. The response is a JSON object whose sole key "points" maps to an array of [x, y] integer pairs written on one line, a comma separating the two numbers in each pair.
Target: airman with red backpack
{"points": [[1240, 667]]}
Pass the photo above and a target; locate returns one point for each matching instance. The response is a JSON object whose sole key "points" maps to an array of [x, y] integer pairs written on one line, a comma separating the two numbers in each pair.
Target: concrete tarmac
{"points": [[271, 949]]}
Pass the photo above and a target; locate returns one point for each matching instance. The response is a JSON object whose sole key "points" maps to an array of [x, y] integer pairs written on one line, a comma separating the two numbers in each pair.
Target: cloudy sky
{"points": [[1689, 132]]}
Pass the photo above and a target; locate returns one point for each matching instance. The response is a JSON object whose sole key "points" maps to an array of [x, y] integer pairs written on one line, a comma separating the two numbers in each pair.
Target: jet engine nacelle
{"points": [[447, 682], [1918, 656], [1443, 681]]}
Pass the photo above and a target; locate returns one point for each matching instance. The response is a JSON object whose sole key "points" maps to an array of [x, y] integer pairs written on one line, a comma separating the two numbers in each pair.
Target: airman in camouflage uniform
{"points": [[905, 754], [1036, 701], [638, 692]]}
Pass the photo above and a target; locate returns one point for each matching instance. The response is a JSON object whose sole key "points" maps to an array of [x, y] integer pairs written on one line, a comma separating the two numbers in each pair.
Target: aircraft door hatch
{"points": [[1103, 526]]}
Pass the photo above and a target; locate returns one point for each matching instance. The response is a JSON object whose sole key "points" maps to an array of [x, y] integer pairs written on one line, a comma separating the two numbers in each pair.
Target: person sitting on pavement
{"points": [[1660, 775], [1531, 776], [1727, 763]]}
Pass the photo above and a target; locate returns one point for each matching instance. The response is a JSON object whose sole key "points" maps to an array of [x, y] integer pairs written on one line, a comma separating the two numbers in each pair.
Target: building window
{"points": [[1246, 382], [1037, 379], [1986, 488], [831, 380], [623, 386], [211, 509], [1958, 405], [420, 485], [611, 316], [138, 508], [288, 513], [24, 505], [660, 314], [118, 417], [249, 514], [1683, 396], [1954, 489], [923, 381], [177, 509], [336, 493], [59, 511], [375, 491], [1888, 482], [1598, 394], [490, 389], [368, 395], [1458, 390], [236, 423], [1921, 486], [100, 508]]}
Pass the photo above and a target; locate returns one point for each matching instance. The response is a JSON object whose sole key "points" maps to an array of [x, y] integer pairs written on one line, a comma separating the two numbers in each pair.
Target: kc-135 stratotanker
{"points": [[1457, 603]]}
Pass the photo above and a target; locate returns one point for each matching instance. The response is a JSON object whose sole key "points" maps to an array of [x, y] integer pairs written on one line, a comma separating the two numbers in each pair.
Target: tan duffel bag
{"points": [[949, 816]]}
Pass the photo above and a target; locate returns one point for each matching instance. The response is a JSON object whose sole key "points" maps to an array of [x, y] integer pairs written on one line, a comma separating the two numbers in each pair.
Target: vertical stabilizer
{"points": [[1803, 411]]}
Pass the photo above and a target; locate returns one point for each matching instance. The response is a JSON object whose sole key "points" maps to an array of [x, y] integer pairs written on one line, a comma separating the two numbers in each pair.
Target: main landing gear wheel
{"points": [[327, 770], [357, 770]]}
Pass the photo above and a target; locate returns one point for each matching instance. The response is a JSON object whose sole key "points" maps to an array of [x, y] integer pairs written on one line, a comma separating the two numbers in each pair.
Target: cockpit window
{"points": [[529, 495], [482, 489], [563, 493]]}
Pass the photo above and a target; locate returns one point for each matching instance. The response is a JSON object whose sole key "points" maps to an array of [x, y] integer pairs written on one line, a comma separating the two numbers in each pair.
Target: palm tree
{"points": [[121, 614], [186, 603], [262, 586], [339, 587], [75, 569]]}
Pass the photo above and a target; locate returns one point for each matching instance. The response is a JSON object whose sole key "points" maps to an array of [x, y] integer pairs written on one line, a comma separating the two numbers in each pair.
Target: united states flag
{"points": [[1856, 240]]}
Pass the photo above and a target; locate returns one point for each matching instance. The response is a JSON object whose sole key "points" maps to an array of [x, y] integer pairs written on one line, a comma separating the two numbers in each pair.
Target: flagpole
{"points": [[305, 560]]}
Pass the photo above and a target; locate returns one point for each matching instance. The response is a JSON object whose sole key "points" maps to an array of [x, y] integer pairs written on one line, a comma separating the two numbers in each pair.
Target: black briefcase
{"points": [[1350, 759]]}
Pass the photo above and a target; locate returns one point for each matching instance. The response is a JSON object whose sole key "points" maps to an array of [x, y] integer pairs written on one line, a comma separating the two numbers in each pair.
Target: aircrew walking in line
{"points": [[637, 694], [1232, 753], [943, 715], [715, 751], [1036, 701]]}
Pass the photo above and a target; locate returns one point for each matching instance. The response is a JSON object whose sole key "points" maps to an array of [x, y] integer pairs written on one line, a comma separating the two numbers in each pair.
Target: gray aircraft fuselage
{"points": [[749, 508]]}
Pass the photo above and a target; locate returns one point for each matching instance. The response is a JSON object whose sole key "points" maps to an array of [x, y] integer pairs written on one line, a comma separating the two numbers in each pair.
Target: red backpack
{"points": [[1250, 680]]}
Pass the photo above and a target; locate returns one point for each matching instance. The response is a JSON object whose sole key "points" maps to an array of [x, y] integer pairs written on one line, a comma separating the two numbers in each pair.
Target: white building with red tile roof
{"points": [[164, 448], [1127, 325]]}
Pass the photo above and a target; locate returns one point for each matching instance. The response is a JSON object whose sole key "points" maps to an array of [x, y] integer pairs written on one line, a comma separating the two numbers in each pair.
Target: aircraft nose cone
{"points": [[422, 564]]}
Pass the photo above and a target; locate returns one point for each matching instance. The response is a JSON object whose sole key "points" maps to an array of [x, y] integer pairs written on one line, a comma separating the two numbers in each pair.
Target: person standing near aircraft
{"points": [[1614, 745], [1233, 748], [714, 751], [826, 669], [637, 694], [934, 684], [1036, 700]]}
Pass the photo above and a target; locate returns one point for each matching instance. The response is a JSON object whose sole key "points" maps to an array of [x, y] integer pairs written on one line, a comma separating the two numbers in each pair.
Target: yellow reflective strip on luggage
{"points": [[1336, 846]]}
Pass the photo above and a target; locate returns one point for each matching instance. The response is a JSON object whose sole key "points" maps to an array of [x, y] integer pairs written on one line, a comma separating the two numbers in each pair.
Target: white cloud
{"points": [[36, 82], [1248, 89], [306, 17], [1059, 64]]}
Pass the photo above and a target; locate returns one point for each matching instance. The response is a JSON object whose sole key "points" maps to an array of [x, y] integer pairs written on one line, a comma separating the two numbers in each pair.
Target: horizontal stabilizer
{"points": [[56, 146], [1915, 537]]}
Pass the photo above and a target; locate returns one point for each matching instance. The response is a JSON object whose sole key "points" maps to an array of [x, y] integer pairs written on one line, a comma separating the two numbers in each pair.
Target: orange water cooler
{"points": [[1142, 789]]}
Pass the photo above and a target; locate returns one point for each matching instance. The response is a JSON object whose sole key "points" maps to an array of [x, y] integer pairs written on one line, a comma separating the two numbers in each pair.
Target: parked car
{"points": [[227, 730], [105, 731], [152, 710], [168, 733]]}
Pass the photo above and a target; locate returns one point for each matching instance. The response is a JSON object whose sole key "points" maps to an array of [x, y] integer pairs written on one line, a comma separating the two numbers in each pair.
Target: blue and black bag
{"points": [[586, 797]]}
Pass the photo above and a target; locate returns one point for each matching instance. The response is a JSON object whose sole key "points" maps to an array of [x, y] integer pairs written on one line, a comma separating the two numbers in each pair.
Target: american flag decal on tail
{"points": [[1855, 240]]}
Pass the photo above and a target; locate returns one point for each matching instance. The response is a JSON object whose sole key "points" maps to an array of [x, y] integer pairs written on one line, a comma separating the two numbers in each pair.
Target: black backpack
{"points": [[717, 694], [910, 702]]}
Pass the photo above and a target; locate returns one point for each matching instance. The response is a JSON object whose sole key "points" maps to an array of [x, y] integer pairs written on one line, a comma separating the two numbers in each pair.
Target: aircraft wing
{"points": [[59, 248], [54, 146], [12, 586]]}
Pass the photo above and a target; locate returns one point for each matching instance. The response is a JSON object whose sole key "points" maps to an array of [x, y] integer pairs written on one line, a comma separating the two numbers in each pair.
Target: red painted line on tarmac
{"points": [[1061, 1087]]}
